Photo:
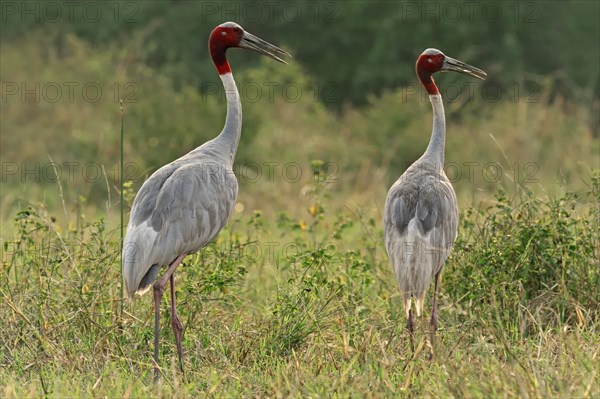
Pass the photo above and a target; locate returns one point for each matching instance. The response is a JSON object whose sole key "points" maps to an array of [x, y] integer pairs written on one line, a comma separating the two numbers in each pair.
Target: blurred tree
{"points": [[359, 47]]}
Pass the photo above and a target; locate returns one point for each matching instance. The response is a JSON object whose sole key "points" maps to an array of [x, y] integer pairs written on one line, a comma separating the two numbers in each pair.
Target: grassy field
{"points": [[310, 308]]}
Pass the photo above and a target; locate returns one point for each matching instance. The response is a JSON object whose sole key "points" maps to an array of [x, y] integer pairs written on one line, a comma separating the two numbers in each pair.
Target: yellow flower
{"points": [[302, 225], [313, 209]]}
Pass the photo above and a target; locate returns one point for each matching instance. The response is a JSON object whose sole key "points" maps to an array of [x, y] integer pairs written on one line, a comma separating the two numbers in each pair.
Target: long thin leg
{"points": [[157, 296], [433, 321], [159, 287], [176, 324], [411, 330]]}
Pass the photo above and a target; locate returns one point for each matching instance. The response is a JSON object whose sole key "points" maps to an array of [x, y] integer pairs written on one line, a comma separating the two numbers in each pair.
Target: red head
{"points": [[433, 60], [230, 34]]}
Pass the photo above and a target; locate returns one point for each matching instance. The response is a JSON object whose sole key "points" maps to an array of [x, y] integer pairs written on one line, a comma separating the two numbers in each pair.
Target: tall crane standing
{"points": [[421, 211], [184, 204]]}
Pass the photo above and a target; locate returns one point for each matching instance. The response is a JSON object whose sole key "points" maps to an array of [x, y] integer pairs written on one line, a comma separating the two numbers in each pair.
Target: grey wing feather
{"points": [[401, 213], [145, 200], [428, 215], [178, 210], [194, 205], [427, 202]]}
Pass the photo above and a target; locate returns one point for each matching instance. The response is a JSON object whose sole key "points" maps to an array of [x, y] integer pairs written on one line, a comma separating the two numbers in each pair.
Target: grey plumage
{"points": [[420, 224], [421, 211], [178, 210], [184, 204]]}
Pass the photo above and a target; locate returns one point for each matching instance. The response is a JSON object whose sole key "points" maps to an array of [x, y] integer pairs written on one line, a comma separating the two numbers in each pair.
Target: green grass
{"points": [[319, 315]]}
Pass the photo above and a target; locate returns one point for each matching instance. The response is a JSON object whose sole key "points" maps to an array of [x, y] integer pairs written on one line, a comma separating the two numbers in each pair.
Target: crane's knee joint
{"points": [[158, 289]]}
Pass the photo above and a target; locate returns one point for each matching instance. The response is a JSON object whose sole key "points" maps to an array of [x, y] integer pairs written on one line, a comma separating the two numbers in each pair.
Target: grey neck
{"points": [[435, 149], [231, 133]]}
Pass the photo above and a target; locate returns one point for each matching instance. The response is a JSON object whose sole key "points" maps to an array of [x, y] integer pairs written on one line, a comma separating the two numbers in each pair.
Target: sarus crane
{"points": [[182, 206], [421, 211]]}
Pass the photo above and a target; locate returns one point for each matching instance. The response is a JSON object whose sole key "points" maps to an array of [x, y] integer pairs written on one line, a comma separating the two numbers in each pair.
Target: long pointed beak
{"points": [[450, 64], [252, 42]]}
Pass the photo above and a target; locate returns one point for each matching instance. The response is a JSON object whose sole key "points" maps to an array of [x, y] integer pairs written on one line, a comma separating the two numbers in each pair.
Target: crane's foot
{"points": [[178, 333], [156, 374]]}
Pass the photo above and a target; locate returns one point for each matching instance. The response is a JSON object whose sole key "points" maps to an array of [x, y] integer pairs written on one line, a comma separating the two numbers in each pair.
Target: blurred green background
{"points": [[349, 97]]}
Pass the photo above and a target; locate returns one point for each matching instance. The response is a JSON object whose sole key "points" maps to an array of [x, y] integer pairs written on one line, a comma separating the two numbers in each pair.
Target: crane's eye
{"points": [[236, 29], [429, 60]]}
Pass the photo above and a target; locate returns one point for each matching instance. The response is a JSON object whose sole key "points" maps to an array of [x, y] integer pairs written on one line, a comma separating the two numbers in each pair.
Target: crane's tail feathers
{"points": [[148, 279], [419, 305], [138, 247], [140, 292], [145, 284], [407, 304]]}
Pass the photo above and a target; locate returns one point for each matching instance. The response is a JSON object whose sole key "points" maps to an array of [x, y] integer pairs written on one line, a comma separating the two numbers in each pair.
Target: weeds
{"points": [[518, 316]]}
